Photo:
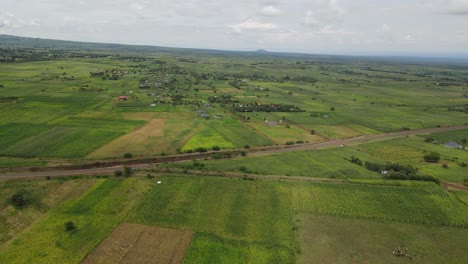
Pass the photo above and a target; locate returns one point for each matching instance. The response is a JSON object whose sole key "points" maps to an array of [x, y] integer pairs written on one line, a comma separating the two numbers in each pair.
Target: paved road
{"points": [[308, 146]]}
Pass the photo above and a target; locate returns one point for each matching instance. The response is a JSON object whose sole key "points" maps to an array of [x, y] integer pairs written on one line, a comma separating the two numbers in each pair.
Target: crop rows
{"points": [[424, 205]]}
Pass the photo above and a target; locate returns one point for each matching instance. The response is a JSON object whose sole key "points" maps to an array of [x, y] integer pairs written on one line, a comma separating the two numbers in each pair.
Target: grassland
{"points": [[339, 240]]}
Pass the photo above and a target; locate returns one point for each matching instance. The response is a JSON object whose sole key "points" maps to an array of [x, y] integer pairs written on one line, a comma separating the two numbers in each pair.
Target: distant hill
{"points": [[9, 41]]}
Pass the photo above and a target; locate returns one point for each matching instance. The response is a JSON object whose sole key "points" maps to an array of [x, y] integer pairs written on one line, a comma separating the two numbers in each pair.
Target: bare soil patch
{"points": [[135, 243]]}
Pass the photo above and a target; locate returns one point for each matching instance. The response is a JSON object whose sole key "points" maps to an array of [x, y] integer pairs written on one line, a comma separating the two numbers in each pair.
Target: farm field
{"points": [[339, 240], [95, 212], [64, 103], [131, 243], [335, 162], [228, 227], [116, 102]]}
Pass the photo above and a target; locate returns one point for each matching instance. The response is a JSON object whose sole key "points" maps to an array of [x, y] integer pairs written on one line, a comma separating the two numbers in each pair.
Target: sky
{"points": [[358, 27]]}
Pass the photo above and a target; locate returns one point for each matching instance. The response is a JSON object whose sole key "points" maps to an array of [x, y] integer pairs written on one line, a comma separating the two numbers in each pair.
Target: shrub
{"points": [[243, 169], [445, 166], [243, 153], [290, 143], [463, 164], [18, 199], [127, 171], [216, 148], [128, 155], [118, 173], [189, 151], [200, 149], [432, 157], [247, 146], [312, 132], [70, 226]]}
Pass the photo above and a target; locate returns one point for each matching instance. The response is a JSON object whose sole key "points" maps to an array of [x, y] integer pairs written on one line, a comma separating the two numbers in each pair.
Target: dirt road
{"points": [[252, 152]]}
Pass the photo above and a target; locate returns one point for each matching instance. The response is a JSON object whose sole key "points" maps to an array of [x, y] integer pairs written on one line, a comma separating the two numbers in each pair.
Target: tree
{"points": [[432, 157]]}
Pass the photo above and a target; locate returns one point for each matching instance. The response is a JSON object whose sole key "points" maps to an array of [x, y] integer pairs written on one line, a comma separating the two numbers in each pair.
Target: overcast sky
{"points": [[362, 27]]}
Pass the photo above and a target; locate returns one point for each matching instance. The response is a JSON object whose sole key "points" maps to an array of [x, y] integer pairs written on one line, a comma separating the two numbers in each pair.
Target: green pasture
{"points": [[326, 239]]}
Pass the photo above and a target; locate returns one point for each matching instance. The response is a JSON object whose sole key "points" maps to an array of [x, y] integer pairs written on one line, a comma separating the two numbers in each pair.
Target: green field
{"points": [[49, 107], [236, 220]]}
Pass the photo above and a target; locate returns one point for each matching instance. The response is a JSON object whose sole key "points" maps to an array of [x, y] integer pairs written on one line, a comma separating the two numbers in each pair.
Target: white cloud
{"points": [[324, 13], [252, 25], [270, 10], [385, 28], [457, 7], [409, 38]]}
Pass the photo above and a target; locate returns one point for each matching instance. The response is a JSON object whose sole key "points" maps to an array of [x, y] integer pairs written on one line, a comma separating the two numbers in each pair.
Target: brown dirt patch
{"points": [[454, 186], [134, 243]]}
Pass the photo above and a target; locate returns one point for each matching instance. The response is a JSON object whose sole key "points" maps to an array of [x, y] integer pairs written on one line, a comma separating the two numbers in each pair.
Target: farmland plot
{"points": [[133, 243]]}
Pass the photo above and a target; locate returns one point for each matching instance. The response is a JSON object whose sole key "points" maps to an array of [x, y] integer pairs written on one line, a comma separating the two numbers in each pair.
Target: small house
{"points": [[123, 98]]}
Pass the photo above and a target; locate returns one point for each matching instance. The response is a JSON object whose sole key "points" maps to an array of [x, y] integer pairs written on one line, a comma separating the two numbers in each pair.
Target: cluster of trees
{"points": [[222, 99], [113, 74], [395, 171], [255, 107]]}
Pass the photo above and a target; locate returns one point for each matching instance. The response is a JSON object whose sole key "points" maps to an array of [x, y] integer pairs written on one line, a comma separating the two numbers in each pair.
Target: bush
{"points": [[247, 146], [312, 132], [216, 148], [189, 151], [463, 164], [432, 157], [70, 226], [290, 143], [128, 155], [244, 169], [127, 172], [201, 149], [18, 199], [445, 166], [243, 153], [118, 173]]}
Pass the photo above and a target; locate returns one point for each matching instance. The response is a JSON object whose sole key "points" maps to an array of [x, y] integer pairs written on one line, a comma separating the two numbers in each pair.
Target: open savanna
{"points": [[233, 220]]}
